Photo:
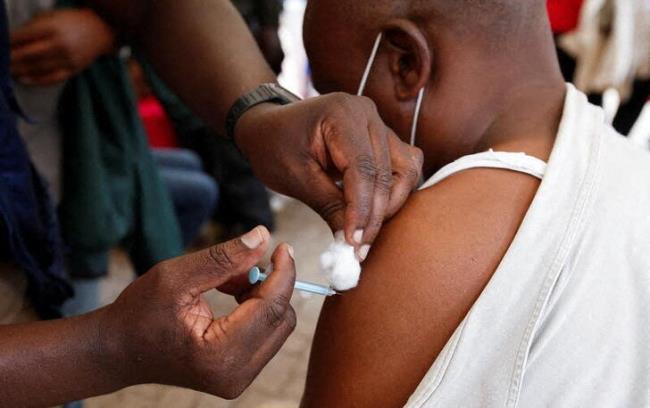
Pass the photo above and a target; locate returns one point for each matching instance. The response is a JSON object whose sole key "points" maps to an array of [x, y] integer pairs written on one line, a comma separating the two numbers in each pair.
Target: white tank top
{"points": [[520, 162], [565, 319]]}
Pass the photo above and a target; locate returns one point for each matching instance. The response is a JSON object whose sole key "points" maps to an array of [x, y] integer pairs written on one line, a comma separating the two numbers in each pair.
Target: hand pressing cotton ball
{"points": [[340, 265]]}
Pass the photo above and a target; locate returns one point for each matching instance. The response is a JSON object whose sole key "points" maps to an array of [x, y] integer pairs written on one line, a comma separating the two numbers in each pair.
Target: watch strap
{"points": [[270, 92]]}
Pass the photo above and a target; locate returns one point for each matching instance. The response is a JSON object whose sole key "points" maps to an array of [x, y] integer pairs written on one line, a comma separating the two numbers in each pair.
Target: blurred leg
{"points": [[177, 159], [194, 195], [86, 296]]}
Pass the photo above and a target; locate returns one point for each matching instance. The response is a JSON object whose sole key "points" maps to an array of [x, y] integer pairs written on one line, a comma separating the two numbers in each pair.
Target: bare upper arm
{"points": [[374, 344]]}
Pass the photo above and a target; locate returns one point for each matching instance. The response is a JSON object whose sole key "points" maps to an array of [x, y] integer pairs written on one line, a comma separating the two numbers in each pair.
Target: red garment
{"points": [[564, 14], [160, 130]]}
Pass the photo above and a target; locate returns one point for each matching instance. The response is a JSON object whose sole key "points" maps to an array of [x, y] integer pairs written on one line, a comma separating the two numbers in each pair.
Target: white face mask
{"points": [[364, 81]]}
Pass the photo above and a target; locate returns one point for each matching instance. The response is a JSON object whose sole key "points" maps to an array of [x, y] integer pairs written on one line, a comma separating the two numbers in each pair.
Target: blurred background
{"points": [[138, 178]]}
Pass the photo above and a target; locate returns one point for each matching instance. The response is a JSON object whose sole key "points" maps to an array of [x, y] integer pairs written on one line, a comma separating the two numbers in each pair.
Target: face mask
{"points": [[364, 81]]}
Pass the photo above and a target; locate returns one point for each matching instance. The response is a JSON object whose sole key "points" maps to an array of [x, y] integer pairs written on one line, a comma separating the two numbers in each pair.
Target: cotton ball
{"points": [[340, 265]]}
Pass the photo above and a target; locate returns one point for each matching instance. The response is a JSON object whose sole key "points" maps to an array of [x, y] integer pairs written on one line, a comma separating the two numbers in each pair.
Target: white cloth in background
{"points": [[295, 74], [565, 319], [611, 45]]}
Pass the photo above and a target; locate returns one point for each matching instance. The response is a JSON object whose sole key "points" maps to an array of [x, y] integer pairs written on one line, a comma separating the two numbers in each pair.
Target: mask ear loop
{"points": [[364, 81], [371, 60], [416, 116]]}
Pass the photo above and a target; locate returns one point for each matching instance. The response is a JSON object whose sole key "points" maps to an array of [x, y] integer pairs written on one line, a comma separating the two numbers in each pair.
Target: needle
{"points": [[255, 275]]}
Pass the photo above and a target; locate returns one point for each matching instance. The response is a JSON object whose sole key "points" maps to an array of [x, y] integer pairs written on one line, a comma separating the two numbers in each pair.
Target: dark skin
{"points": [[327, 144], [56, 45], [160, 329], [333, 134], [430, 263]]}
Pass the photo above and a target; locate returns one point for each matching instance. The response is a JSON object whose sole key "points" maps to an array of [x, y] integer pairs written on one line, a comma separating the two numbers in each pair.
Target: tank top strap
{"points": [[520, 162]]}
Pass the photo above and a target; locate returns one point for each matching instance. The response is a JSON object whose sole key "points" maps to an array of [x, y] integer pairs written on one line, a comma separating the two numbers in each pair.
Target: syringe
{"points": [[255, 275]]}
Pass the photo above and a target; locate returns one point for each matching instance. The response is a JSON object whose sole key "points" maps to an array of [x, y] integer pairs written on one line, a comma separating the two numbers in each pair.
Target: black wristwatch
{"points": [[264, 93]]}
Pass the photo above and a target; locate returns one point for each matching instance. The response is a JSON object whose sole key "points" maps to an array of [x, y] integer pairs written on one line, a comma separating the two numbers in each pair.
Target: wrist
{"points": [[263, 94], [111, 356], [247, 130]]}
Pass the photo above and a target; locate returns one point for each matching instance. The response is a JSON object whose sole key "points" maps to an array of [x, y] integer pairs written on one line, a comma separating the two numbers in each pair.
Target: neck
{"points": [[530, 120], [530, 111], [522, 114]]}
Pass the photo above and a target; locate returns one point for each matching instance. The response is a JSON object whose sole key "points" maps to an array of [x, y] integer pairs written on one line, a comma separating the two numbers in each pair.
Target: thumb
{"points": [[222, 266]]}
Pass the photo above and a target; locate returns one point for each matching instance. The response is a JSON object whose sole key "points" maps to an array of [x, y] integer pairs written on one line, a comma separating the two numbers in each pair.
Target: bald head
{"points": [[491, 25], [463, 17]]}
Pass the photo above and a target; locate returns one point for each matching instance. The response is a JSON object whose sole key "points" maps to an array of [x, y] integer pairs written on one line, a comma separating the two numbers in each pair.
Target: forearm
{"points": [[52, 362], [201, 48]]}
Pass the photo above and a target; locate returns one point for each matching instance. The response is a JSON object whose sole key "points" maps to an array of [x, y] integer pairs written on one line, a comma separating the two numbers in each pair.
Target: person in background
{"points": [[193, 192], [48, 48], [243, 199], [89, 143]]}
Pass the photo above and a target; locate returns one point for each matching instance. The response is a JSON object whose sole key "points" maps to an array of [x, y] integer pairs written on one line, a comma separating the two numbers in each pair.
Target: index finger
{"points": [[351, 151], [28, 33], [383, 184]]}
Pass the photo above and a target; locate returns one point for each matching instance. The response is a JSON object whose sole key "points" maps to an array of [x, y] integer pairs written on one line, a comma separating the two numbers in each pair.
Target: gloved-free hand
{"points": [[56, 45], [303, 148], [162, 330]]}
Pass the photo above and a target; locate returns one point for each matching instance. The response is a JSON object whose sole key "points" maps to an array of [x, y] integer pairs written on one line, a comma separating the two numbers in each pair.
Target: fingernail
{"points": [[291, 252], [358, 236], [252, 239], [363, 252]]}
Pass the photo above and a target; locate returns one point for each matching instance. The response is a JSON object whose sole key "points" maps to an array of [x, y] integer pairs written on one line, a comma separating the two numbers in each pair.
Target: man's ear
{"points": [[409, 57]]}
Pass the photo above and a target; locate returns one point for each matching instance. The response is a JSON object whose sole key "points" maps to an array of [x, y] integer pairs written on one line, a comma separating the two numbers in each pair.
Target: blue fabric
{"points": [[193, 192], [177, 159], [87, 296], [29, 233]]}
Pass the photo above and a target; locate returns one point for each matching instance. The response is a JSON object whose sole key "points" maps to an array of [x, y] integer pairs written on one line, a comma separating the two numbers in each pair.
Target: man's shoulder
{"points": [[464, 224], [425, 271], [478, 190]]}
